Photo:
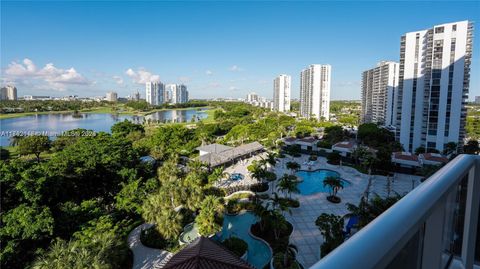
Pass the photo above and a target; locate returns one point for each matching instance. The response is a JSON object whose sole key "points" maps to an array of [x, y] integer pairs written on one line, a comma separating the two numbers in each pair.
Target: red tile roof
{"points": [[344, 144], [435, 157], [405, 156]]}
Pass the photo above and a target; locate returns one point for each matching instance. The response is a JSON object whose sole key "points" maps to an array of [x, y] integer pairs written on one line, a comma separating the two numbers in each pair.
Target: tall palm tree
{"points": [[288, 184], [169, 223], [196, 166], [293, 166], [217, 174], [271, 158], [210, 209], [334, 184], [278, 223], [256, 170], [260, 211]]}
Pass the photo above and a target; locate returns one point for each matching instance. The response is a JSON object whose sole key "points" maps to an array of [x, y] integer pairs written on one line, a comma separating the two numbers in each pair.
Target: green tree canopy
{"points": [[35, 144]]}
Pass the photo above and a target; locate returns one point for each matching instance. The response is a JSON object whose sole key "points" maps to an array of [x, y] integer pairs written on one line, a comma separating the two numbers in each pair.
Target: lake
{"points": [[56, 123]]}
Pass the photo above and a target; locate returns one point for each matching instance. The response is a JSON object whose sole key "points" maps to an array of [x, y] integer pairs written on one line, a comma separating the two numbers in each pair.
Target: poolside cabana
{"points": [[231, 155], [206, 253]]}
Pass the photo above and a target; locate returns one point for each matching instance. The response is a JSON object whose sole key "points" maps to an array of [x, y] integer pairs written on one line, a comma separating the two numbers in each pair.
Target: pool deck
{"points": [[241, 168], [306, 235]]}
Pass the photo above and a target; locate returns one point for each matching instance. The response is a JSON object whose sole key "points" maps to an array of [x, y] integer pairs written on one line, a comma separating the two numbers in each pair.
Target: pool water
{"points": [[259, 254], [313, 181], [190, 233], [236, 176]]}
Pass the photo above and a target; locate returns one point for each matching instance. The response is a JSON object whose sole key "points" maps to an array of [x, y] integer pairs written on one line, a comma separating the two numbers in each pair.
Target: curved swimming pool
{"points": [[312, 181], [259, 253]]}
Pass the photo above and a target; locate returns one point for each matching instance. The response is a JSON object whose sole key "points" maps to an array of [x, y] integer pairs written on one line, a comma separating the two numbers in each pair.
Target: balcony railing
{"points": [[434, 226]]}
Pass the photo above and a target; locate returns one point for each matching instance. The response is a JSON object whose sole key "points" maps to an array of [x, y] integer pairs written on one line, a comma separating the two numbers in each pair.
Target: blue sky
{"points": [[218, 49]]}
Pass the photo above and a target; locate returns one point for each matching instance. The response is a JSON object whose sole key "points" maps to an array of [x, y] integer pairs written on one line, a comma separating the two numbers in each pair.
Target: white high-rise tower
{"points": [[154, 93], [379, 85], [433, 86], [315, 91], [281, 93]]}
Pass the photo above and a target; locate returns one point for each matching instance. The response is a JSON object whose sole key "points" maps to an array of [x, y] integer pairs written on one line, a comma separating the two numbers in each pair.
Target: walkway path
{"points": [[145, 257]]}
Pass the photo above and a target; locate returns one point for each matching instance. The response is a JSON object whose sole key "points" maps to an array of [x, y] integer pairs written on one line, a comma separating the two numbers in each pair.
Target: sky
{"points": [[218, 49]]}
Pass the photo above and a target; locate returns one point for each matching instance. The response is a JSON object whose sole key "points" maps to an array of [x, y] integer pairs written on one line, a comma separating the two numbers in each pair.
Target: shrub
{"points": [[279, 261], [153, 239], [261, 187], [236, 245], [324, 144], [334, 158]]}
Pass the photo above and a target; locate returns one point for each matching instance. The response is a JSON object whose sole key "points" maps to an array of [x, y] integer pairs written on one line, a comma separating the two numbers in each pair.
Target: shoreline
{"points": [[99, 110]]}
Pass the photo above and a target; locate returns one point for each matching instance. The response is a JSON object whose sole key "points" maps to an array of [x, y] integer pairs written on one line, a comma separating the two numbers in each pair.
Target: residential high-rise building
{"points": [[8, 92], [136, 96], [433, 86], [281, 93], [252, 97], [315, 91], [111, 96], [477, 100], [177, 93], [154, 93], [379, 85]]}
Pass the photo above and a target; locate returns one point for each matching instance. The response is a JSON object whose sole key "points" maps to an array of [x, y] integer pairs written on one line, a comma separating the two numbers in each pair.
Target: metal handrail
{"points": [[377, 244]]}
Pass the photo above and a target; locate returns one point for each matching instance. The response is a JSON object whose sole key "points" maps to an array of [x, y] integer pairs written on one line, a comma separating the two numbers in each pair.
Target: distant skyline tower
{"points": [[177, 93], [8, 92], [154, 93], [111, 96], [379, 85], [433, 86], [136, 96], [282, 93], [315, 91], [252, 97]]}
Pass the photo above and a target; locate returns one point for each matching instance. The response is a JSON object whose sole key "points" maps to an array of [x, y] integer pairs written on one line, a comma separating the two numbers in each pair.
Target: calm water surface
{"points": [[313, 181], [53, 124]]}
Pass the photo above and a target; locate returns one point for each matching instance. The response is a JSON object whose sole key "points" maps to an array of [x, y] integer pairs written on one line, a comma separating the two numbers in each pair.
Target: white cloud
{"points": [[55, 78], [142, 76], [118, 80], [235, 68], [233, 88], [208, 73]]}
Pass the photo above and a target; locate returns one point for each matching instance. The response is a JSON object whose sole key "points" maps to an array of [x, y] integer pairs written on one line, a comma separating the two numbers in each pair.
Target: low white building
{"points": [[432, 159], [306, 143], [345, 148], [406, 159]]}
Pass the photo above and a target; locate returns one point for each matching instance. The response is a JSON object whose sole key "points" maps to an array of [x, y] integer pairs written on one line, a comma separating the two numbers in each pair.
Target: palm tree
{"points": [[210, 209], [260, 211], [158, 209], [278, 223], [293, 166], [334, 184], [196, 166], [288, 184], [256, 170], [271, 158], [217, 174], [169, 223]]}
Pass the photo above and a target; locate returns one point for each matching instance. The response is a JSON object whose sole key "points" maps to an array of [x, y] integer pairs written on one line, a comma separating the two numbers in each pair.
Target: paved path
{"points": [[145, 257]]}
